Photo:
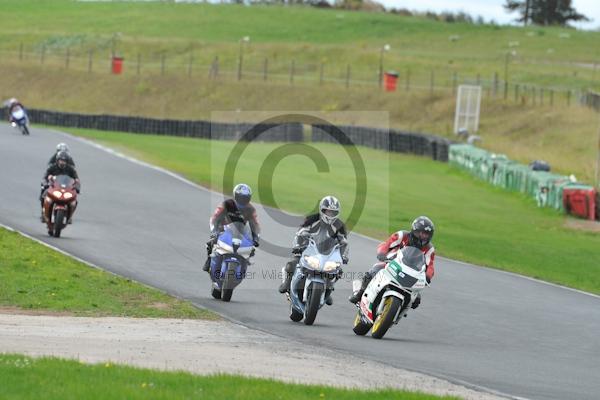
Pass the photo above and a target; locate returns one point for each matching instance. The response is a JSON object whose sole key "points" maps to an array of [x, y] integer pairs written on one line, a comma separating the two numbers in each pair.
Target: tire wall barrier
{"points": [[431, 146], [292, 132]]}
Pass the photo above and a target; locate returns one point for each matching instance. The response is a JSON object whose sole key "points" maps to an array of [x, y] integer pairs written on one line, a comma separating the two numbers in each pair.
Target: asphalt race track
{"points": [[475, 326]]}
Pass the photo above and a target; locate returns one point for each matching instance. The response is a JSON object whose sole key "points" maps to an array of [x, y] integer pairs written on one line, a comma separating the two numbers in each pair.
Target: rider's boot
{"points": [[287, 279], [355, 297], [209, 249]]}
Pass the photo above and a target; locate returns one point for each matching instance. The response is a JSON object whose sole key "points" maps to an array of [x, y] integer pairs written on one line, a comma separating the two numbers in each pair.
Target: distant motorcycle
{"points": [[20, 120], [230, 259], [60, 202], [319, 267], [390, 293]]}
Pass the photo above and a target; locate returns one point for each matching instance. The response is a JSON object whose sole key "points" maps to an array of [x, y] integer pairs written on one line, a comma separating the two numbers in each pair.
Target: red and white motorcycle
{"points": [[391, 293]]}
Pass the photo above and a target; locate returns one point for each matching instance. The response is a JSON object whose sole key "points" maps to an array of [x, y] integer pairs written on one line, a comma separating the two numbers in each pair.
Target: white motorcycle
{"points": [[391, 293], [318, 269], [20, 120]]}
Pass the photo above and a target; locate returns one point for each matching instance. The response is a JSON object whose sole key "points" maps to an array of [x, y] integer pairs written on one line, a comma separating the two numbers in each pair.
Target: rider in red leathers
{"points": [[419, 236]]}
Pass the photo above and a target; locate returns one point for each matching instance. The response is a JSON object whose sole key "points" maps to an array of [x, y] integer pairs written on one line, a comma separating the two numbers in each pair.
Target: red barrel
{"points": [[580, 201], [390, 80], [117, 65]]}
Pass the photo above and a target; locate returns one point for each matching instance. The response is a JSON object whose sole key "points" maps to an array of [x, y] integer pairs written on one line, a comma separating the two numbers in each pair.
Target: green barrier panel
{"points": [[545, 187]]}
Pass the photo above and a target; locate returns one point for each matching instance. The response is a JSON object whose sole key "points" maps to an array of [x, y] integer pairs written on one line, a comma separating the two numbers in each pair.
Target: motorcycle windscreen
{"points": [[413, 258], [325, 243], [241, 231], [64, 181]]}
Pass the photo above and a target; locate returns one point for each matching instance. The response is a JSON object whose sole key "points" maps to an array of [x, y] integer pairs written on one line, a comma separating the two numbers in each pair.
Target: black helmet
{"points": [[421, 232], [62, 156], [242, 195]]}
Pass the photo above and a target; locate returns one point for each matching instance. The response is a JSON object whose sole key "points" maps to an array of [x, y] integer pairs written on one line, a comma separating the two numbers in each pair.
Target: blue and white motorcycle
{"points": [[319, 267], [20, 119], [230, 259]]}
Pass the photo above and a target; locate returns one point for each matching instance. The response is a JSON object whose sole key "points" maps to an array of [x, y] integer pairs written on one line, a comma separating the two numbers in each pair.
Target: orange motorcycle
{"points": [[60, 202]]}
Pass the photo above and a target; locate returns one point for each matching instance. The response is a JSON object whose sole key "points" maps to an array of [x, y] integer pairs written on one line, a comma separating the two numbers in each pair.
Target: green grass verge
{"points": [[34, 277], [37, 378], [475, 222]]}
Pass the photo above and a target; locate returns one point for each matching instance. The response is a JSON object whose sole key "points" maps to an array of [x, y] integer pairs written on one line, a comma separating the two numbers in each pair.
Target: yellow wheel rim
{"points": [[386, 310], [356, 320]]}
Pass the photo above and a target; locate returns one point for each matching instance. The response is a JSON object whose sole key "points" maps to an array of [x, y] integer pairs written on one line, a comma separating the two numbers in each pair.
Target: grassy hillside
{"points": [[546, 56], [475, 222]]}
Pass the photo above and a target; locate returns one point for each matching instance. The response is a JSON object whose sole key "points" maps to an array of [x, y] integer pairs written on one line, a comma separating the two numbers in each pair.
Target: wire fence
{"points": [[273, 70]]}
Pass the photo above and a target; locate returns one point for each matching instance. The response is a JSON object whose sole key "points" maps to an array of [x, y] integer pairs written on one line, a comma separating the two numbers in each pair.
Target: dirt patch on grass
{"points": [[25, 311], [582, 225]]}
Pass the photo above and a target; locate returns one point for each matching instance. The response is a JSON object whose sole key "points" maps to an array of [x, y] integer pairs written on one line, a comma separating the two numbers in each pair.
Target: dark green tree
{"points": [[544, 12]]}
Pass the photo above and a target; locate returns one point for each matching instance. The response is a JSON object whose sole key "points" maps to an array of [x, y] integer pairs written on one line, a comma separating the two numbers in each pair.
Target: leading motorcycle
{"points": [[20, 119], [230, 259], [391, 293]]}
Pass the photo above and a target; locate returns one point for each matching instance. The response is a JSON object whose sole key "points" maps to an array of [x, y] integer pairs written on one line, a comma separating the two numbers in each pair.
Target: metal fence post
{"points": [[292, 71], [90, 57], [348, 76], [431, 83], [266, 69], [321, 71]]}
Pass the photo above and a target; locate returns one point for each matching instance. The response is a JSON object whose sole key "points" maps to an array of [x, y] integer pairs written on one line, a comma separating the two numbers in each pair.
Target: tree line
{"points": [[536, 12]]}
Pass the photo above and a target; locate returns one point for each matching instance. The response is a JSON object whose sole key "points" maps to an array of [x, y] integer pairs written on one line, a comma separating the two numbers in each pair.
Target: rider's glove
{"points": [[255, 242], [297, 250], [382, 257], [345, 259]]}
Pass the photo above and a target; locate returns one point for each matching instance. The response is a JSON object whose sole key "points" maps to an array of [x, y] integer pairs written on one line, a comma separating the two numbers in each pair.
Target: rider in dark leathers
{"points": [[327, 218]]}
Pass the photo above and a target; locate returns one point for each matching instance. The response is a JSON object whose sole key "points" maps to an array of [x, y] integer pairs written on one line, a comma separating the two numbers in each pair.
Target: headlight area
{"points": [[313, 262], [57, 194], [68, 195], [331, 266]]}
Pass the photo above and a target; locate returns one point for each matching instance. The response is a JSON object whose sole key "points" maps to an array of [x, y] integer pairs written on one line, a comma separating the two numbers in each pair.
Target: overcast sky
{"points": [[492, 9]]}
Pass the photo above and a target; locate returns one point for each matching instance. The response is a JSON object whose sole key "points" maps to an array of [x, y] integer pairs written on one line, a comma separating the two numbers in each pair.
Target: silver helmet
{"points": [[62, 147], [329, 209]]}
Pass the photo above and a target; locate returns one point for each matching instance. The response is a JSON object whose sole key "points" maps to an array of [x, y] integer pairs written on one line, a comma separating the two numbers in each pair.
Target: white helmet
{"points": [[62, 147], [329, 209]]}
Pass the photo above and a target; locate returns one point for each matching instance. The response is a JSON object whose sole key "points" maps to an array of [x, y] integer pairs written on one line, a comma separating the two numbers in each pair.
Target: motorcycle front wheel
{"points": [[385, 320], [313, 301]]}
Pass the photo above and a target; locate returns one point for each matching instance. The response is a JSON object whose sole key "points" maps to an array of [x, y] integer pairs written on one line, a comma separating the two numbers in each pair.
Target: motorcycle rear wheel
{"points": [[360, 328], [295, 316], [385, 320], [216, 293]]}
